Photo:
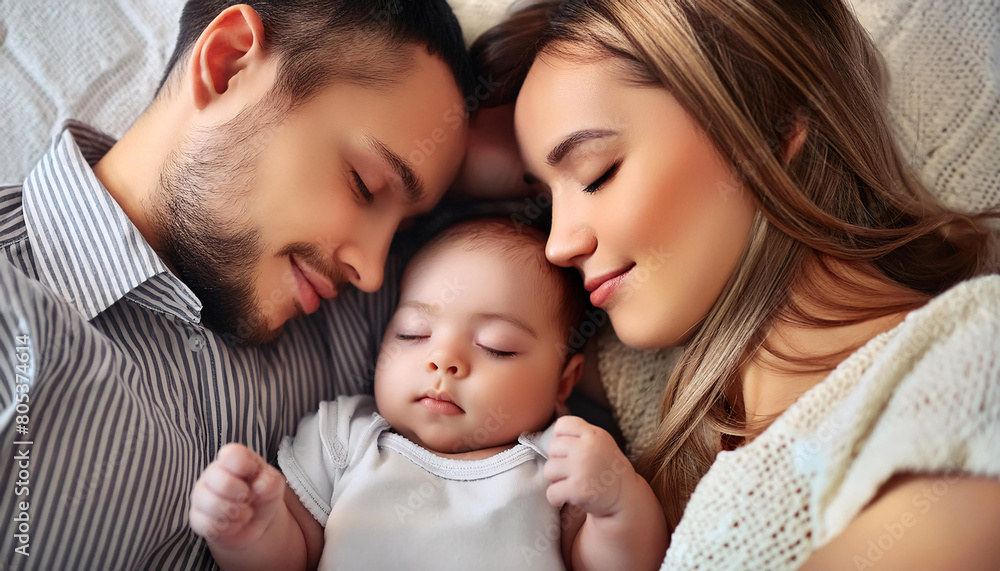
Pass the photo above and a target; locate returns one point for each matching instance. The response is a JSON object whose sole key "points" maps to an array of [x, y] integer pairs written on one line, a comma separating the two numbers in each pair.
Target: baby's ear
{"points": [[570, 376]]}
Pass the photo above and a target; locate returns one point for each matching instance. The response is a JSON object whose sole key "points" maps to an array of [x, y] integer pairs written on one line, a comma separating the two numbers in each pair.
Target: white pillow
{"points": [[96, 60], [944, 69]]}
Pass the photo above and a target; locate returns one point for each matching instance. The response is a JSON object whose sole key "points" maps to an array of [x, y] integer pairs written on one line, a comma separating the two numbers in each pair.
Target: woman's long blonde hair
{"points": [[752, 73]]}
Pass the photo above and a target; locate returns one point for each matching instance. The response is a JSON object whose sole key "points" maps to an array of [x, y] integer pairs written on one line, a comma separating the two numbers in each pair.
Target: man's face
{"points": [[267, 214]]}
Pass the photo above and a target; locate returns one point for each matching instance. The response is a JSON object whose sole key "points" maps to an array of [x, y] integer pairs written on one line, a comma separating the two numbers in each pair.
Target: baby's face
{"points": [[473, 356]]}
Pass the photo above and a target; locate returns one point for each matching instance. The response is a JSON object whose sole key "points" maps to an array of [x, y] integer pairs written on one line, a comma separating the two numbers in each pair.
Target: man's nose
{"points": [[366, 275], [365, 257]]}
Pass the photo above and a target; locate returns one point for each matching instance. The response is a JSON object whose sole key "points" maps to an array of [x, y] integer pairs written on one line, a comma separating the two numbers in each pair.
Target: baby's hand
{"points": [[585, 467], [235, 498]]}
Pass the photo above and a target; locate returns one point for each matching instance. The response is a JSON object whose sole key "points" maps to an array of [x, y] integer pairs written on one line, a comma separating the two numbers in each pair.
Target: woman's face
{"points": [[644, 206]]}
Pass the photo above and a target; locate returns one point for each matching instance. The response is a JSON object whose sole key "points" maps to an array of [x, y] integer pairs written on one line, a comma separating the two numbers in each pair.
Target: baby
{"points": [[456, 462]]}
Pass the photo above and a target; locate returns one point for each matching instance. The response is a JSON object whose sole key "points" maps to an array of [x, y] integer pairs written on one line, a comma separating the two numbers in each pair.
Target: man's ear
{"points": [[570, 376], [226, 47]]}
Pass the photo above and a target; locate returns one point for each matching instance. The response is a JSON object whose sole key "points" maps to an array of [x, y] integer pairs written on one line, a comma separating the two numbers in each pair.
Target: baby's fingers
{"points": [[268, 486], [562, 446], [239, 461], [212, 516], [556, 470], [565, 491], [224, 484]]}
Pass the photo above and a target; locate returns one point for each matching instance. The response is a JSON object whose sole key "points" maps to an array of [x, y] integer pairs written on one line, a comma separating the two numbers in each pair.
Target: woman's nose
{"points": [[570, 239]]}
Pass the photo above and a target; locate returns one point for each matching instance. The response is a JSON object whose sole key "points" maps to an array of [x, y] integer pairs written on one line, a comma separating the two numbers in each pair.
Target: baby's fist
{"points": [[235, 498], [585, 467]]}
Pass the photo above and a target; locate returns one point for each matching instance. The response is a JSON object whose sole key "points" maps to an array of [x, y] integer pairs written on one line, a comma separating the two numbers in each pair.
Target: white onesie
{"points": [[387, 503]]}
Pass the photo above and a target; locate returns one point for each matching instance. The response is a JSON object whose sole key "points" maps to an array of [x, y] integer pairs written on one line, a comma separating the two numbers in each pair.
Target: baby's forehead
{"points": [[520, 257], [522, 260]]}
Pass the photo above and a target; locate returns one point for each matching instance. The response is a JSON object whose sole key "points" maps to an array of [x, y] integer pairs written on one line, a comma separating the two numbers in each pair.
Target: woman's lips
{"points": [[603, 288], [440, 406]]}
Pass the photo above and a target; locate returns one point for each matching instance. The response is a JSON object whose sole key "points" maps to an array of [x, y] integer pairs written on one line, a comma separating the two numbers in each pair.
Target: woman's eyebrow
{"points": [[571, 142]]}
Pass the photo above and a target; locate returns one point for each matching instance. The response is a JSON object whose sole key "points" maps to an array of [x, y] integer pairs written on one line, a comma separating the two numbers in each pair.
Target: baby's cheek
{"points": [[386, 356], [394, 357]]}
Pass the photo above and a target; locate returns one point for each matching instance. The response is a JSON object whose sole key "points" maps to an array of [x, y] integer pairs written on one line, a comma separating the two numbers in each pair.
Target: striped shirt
{"points": [[114, 396]]}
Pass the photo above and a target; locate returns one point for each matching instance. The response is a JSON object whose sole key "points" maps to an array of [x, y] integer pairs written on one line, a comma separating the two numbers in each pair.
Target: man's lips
{"points": [[322, 286], [310, 284]]}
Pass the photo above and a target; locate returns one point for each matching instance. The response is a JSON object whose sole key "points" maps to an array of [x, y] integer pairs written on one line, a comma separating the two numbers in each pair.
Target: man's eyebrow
{"points": [[412, 185], [564, 148], [428, 309]]}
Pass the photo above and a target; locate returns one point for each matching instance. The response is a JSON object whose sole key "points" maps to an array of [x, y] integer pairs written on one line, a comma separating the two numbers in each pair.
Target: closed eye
{"points": [[362, 189], [496, 352], [603, 179], [405, 337]]}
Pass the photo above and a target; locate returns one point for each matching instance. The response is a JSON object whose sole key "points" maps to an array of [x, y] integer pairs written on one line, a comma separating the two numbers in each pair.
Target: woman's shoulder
{"points": [[943, 351], [973, 300], [927, 401], [951, 345], [944, 358], [921, 398]]}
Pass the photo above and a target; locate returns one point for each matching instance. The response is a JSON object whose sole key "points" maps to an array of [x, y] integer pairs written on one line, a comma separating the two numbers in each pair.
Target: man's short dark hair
{"points": [[321, 41]]}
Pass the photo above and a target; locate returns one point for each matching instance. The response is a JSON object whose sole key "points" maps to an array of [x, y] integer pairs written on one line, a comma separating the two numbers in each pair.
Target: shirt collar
{"points": [[86, 248], [539, 441]]}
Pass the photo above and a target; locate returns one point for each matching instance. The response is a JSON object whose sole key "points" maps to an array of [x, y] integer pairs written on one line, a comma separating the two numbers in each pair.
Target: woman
{"points": [[724, 177]]}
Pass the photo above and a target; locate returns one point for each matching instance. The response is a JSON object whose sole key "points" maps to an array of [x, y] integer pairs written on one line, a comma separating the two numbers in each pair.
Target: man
{"points": [[147, 282]]}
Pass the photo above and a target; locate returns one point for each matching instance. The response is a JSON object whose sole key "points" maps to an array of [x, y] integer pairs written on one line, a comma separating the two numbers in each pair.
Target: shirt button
{"points": [[196, 343]]}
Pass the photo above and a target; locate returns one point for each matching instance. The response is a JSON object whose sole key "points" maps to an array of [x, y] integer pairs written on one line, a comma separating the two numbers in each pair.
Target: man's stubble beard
{"points": [[199, 215]]}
